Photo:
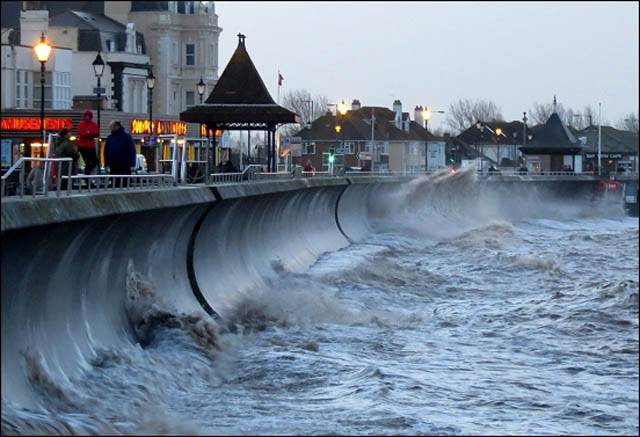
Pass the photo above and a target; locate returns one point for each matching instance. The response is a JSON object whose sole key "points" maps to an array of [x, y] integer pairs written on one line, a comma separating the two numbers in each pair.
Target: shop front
{"points": [[21, 133]]}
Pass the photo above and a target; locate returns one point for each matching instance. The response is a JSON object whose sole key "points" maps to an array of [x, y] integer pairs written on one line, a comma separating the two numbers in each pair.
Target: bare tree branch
{"points": [[628, 122], [465, 112], [306, 106]]}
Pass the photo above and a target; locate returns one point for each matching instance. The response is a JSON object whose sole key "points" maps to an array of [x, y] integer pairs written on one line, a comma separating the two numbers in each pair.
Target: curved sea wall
{"points": [[68, 263]]}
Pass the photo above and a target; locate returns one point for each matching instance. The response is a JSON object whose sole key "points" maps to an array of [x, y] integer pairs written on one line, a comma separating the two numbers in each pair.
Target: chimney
{"points": [[418, 116], [32, 24], [397, 108], [355, 105]]}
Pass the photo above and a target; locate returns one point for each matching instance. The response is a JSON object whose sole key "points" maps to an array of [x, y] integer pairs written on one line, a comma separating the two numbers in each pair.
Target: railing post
{"points": [[22, 180], [59, 177]]}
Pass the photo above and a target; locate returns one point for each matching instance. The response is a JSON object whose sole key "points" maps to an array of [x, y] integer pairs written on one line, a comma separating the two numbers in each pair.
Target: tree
{"points": [[465, 112], [540, 112], [628, 122], [307, 107]]}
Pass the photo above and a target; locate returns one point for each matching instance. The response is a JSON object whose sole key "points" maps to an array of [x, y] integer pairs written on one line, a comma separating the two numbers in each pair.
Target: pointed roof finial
{"points": [[241, 38], [555, 103]]}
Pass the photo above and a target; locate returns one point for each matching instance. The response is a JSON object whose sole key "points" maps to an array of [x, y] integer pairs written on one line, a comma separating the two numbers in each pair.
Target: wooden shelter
{"points": [[240, 101]]}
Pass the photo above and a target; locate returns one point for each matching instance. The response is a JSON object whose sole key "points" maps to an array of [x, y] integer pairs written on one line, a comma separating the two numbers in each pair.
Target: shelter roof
{"points": [[239, 96], [552, 137]]}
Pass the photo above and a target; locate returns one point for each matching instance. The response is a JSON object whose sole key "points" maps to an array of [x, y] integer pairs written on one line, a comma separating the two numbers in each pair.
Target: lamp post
{"points": [[426, 115], [200, 86], [98, 69], [151, 81], [342, 109], [42, 50]]}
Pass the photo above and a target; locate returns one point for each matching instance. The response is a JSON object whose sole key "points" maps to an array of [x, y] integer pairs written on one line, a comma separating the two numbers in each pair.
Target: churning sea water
{"points": [[526, 326]]}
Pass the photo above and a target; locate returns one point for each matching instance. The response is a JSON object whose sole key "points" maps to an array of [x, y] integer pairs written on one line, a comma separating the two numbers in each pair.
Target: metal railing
{"points": [[248, 174], [111, 182], [40, 185], [37, 186]]}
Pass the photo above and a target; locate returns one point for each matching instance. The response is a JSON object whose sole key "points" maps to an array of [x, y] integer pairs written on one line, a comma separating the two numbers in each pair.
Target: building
{"points": [[552, 148], [488, 143], [367, 137], [619, 149], [182, 41], [178, 39]]}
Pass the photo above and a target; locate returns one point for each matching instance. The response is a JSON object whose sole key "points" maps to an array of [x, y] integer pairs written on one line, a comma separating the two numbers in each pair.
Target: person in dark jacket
{"points": [[86, 142], [66, 149], [119, 151]]}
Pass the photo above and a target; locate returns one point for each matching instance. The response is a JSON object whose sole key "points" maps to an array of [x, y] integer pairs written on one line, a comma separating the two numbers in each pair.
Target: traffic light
{"points": [[332, 155]]}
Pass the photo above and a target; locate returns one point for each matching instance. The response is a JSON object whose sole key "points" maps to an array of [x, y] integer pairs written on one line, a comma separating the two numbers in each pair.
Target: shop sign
{"points": [[141, 127], [33, 124], [603, 155], [203, 131]]}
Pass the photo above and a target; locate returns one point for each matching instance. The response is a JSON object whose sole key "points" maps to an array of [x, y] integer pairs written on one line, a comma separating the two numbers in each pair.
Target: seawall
{"points": [[64, 260]]}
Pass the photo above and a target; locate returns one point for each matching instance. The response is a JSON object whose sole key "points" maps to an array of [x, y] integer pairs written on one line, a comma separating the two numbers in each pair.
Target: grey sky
{"points": [[434, 53]]}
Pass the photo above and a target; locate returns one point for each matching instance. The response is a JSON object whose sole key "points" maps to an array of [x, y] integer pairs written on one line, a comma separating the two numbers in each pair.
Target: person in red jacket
{"points": [[87, 133]]}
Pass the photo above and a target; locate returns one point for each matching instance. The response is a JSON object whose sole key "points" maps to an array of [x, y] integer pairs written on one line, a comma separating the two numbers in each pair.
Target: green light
{"points": [[332, 158]]}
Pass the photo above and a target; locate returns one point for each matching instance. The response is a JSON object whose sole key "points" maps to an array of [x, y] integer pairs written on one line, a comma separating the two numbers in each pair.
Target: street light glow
{"points": [[426, 113], [338, 128], [498, 131], [42, 49], [342, 107]]}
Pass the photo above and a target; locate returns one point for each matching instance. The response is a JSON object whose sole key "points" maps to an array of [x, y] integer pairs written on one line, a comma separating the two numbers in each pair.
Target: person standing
{"points": [[87, 134], [119, 151], [66, 149]]}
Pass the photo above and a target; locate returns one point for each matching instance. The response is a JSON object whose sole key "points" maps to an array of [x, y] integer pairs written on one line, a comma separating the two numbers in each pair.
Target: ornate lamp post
{"points": [[426, 115], [200, 87], [98, 69], [42, 50], [151, 81]]}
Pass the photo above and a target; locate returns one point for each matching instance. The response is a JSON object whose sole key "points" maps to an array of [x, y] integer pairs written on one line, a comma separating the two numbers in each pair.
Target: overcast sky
{"points": [[435, 53]]}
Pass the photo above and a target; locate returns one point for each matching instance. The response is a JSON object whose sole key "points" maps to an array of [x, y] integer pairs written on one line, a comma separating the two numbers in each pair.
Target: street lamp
{"points": [[201, 85], [42, 50], [98, 69], [426, 115], [151, 81]]}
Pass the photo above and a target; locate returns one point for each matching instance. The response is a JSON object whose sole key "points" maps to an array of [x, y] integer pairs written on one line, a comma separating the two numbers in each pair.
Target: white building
{"points": [[182, 41], [77, 37], [21, 87]]}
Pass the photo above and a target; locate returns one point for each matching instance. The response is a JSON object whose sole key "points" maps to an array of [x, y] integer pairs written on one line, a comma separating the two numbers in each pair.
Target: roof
{"points": [[239, 96], [552, 137], [613, 140], [474, 136], [146, 6], [86, 21], [357, 127]]}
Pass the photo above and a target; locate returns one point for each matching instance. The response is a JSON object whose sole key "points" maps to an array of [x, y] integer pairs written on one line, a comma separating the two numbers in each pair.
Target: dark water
{"points": [[498, 327]]}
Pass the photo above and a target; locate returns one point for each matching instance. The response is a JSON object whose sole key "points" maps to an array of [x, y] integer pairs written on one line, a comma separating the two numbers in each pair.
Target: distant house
{"points": [[552, 148], [619, 149], [396, 143], [488, 143]]}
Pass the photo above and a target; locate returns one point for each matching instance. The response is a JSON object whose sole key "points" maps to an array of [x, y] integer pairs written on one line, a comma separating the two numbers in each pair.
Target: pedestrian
{"points": [[34, 183], [308, 167], [119, 152], [86, 142], [66, 149]]}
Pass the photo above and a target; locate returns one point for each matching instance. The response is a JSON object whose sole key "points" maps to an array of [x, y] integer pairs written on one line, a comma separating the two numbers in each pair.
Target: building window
{"points": [[309, 149], [61, 90], [187, 8], [346, 149], [190, 98], [190, 54], [24, 82], [48, 100]]}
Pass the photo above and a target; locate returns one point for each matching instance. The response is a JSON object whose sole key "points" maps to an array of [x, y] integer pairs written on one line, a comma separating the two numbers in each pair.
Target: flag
{"points": [[280, 79]]}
